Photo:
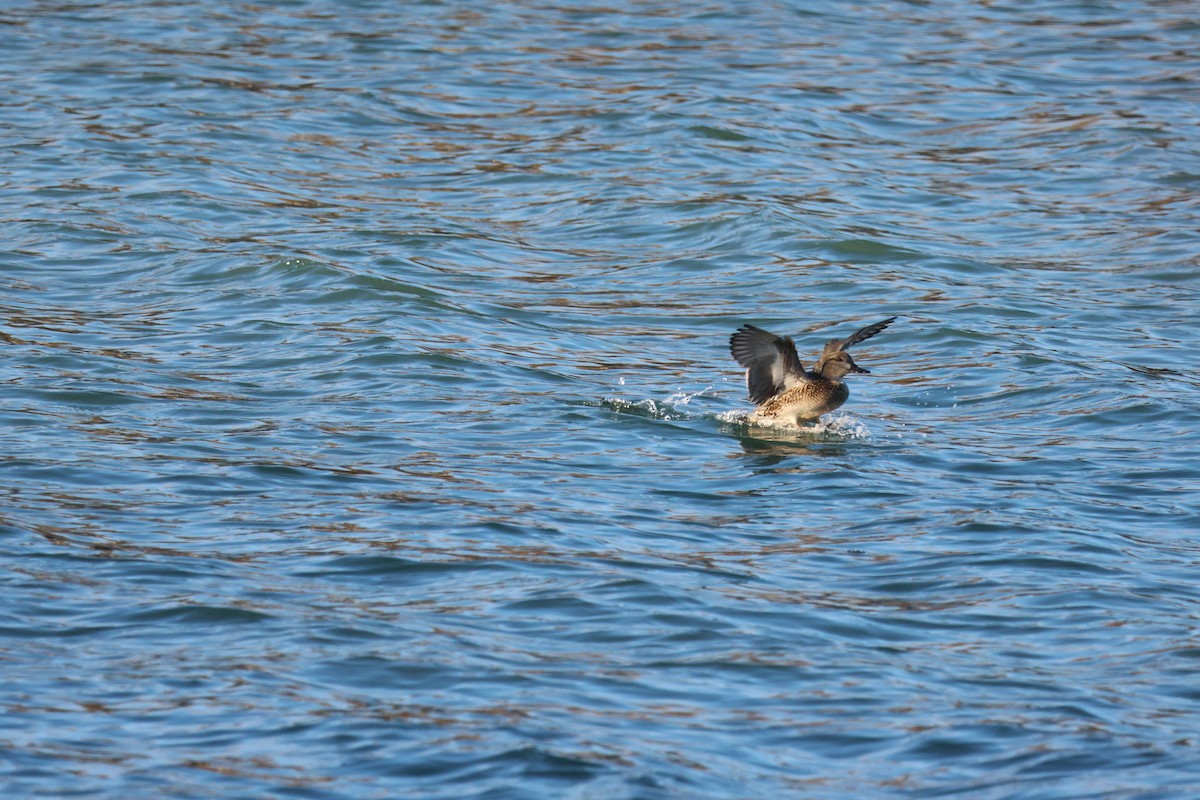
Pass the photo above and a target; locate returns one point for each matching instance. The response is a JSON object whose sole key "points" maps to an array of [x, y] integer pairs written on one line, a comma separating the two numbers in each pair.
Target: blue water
{"points": [[368, 426]]}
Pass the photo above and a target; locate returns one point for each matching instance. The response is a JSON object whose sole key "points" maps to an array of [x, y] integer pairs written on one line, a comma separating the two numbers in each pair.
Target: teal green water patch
{"points": [[189, 615], [719, 134], [85, 398], [863, 250]]}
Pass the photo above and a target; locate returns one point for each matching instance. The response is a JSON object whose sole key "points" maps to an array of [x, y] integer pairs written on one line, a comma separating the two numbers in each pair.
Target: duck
{"points": [[779, 385]]}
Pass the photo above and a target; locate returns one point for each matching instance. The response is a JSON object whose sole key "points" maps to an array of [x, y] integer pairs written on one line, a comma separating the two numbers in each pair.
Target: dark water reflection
{"points": [[369, 429]]}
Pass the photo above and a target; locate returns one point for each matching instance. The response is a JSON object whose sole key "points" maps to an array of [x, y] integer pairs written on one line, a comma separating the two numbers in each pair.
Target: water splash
{"points": [[674, 408], [655, 409], [682, 398], [842, 426]]}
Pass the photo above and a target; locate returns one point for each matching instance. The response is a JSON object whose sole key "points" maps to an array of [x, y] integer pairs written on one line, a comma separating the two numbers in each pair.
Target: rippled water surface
{"points": [[369, 428]]}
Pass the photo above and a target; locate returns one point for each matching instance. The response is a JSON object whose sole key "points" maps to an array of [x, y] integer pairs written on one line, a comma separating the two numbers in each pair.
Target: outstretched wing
{"points": [[771, 362], [865, 333], [834, 346]]}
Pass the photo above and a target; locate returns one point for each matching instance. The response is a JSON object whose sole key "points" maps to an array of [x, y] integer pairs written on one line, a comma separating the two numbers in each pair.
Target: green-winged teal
{"points": [[778, 383]]}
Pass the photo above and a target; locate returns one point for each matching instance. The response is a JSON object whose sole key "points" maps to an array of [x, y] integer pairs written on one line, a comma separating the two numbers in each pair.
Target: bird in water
{"points": [[778, 383]]}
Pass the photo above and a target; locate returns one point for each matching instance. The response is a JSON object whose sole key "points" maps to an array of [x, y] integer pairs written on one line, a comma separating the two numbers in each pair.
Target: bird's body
{"points": [[778, 383], [807, 400]]}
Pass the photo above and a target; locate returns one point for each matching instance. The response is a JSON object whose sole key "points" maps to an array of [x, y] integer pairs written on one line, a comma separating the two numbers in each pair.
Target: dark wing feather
{"points": [[865, 333], [771, 362]]}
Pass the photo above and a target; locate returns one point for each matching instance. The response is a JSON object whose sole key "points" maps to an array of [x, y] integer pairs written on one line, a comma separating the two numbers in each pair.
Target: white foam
{"points": [[841, 425]]}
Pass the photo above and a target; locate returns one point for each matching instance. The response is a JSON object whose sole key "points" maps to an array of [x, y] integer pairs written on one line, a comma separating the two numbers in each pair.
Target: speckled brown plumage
{"points": [[777, 382], [805, 401]]}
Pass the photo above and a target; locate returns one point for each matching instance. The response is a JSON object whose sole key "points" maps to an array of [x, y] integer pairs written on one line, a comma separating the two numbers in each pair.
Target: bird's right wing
{"points": [[864, 333]]}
